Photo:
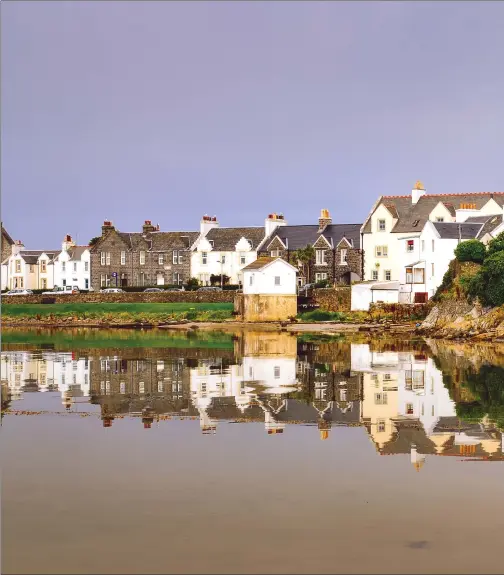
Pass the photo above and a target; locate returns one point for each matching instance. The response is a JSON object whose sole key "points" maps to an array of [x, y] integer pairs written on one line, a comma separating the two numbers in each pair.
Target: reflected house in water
{"points": [[25, 371], [406, 408]]}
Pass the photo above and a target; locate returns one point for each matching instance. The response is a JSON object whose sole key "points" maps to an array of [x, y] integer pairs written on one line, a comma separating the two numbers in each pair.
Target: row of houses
{"points": [[403, 247]]}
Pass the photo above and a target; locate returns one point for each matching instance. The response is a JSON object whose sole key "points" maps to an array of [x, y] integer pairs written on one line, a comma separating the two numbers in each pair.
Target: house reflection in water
{"points": [[394, 391]]}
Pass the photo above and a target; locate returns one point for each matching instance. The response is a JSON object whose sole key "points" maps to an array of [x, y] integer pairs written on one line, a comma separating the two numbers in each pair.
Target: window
{"points": [[142, 259], [388, 275], [63, 266], [410, 245], [44, 283], [86, 266], [86, 284], [387, 377], [374, 275], [204, 258], [277, 280], [75, 267], [433, 243], [64, 283], [175, 256], [415, 275], [380, 425], [102, 280], [432, 270], [381, 251], [438, 219], [223, 259], [43, 267], [275, 253], [381, 399], [108, 258], [242, 259], [277, 372], [32, 268], [18, 266], [423, 245], [142, 279], [381, 225], [409, 409], [251, 279], [177, 279], [102, 258], [344, 257], [161, 259], [21, 282], [123, 258], [321, 276], [320, 257]]}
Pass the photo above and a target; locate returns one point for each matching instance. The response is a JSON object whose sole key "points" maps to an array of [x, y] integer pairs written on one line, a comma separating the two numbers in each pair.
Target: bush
{"points": [[496, 245], [231, 287], [447, 282], [322, 284], [470, 251], [493, 279], [321, 315], [192, 284]]}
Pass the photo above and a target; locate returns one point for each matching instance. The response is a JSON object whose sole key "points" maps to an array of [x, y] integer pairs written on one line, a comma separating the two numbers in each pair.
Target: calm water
{"points": [[254, 453]]}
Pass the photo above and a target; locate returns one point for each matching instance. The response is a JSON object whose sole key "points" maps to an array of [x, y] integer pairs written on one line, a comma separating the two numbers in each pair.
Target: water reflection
{"points": [[405, 396]]}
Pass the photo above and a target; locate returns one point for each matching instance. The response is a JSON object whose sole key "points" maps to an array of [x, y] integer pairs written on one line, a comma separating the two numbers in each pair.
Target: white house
{"points": [[391, 232], [366, 293], [269, 276], [28, 269], [226, 251], [72, 266], [423, 269]]}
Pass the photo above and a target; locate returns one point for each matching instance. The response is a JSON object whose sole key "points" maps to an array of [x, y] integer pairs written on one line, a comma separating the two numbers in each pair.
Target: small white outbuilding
{"points": [[269, 291], [366, 293]]}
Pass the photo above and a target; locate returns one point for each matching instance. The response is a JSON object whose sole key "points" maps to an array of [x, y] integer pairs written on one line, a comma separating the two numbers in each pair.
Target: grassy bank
{"points": [[117, 312]]}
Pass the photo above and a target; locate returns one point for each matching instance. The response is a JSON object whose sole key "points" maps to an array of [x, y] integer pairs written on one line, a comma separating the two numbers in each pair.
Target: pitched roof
{"points": [[225, 239], [32, 256], [489, 223], [409, 214], [77, 251], [162, 241], [296, 237], [261, 263], [7, 237], [454, 230]]}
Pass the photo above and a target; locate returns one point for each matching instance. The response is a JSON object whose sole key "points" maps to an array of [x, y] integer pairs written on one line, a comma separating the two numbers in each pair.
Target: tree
{"points": [[470, 251], [215, 279], [496, 245], [305, 257], [192, 284], [94, 240], [493, 270]]}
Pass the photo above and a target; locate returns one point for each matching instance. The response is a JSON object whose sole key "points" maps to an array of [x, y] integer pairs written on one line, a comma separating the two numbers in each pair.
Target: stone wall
{"points": [[260, 307], [333, 299], [400, 311], [130, 297]]}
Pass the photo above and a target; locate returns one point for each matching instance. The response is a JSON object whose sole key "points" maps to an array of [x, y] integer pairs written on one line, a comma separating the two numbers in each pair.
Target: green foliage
{"points": [[470, 251], [447, 282], [322, 284], [94, 240], [488, 385], [215, 279], [192, 284], [493, 279], [321, 315], [306, 257], [496, 245]]}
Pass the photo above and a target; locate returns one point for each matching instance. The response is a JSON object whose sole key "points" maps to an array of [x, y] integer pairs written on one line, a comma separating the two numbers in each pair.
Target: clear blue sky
{"points": [[166, 110]]}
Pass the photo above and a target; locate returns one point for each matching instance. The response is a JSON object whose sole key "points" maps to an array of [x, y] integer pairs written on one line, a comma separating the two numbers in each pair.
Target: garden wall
{"points": [[333, 299], [131, 297]]}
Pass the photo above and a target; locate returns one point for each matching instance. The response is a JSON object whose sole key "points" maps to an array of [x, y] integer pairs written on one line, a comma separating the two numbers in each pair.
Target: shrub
{"points": [[470, 251], [321, 315], [192, 284], [493, 279], [322, 284], [447, 282]]}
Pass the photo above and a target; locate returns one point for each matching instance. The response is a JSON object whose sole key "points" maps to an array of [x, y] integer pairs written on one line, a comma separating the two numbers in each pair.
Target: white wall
{"points": [[263, 281], [276, 374], [71, 276]]}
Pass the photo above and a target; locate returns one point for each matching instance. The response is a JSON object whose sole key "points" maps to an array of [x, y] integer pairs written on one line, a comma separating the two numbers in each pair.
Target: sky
{"points": [[167, 111]]}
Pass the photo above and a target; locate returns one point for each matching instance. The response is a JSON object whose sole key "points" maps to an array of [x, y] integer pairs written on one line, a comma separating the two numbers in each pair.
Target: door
{"points": [[160, 280]]}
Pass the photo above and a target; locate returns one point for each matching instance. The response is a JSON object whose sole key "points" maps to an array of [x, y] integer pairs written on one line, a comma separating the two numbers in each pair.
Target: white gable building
{"points": [[72, 266]]}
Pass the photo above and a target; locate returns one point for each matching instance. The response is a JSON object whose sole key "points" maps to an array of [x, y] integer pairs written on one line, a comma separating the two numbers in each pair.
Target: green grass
{"points": [[321, 315], [94, 309]]}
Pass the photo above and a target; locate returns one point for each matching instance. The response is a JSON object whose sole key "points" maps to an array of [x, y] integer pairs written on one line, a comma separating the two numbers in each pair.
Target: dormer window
{"points": [[415, 223], [275, 253], [242, 259], [381, 225], [211, 242]]}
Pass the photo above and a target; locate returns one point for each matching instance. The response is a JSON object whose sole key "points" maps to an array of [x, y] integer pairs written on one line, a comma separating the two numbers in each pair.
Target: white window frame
{"points": [[277, 281], [204, 258], [43, 267], [86, 266], [381, 251], [174, 256], [320, 257], [251, 279], [142, 258], [180, 254], [123, 258], [102, 258], [276, 372], [275, 253], [160, 259], [389, 273], [344, 257], [242, 259], [433, 245], [108, 258], [75, 267], [320, 276], [102, 280], [63, 266], [410, 247], [380, 228], [223, 259], [374, 275]]}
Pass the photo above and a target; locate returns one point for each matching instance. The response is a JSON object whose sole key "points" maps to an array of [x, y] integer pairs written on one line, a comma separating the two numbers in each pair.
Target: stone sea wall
{"points": [[333, 299]]}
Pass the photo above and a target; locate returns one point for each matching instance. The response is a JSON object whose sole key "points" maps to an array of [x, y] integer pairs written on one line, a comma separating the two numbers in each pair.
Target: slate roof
{"points": [[6, 236], [260, 263], [225, 239], [32, 256], [408, 213], [475, 227], [163, 241], [296, 237], [77, 251]]}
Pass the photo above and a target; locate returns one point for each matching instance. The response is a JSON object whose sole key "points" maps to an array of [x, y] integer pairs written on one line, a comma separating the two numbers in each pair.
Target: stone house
{"points": [[145, 258], [7, 243], [338, 254]]}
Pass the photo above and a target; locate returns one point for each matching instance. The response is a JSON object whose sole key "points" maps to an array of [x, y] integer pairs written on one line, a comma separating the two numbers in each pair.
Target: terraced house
{"points": [[28, 269], [146, 258], [338, 254]]}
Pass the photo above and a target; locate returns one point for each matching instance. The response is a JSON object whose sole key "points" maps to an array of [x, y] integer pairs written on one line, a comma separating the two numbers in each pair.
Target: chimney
{"points": [[417, 192], [208, 223], [67, 243], [324, 220], [107, 227], [272, 222], [16, 247], [148, 227]]}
